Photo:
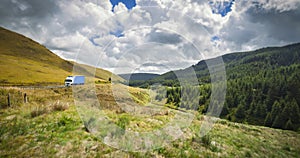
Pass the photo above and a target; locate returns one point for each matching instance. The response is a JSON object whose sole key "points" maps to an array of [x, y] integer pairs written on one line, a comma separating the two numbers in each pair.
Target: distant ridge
{"points": [[237, 62], [138, 76]]}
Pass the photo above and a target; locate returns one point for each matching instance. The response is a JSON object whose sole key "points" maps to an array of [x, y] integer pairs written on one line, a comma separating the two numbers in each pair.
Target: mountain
{"points": [[138, 76], [263, 86], [247, 62], [24, 61]]}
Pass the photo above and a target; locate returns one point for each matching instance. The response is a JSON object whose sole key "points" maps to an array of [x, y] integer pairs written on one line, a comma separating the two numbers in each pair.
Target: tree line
{"points": [[263, 88]]}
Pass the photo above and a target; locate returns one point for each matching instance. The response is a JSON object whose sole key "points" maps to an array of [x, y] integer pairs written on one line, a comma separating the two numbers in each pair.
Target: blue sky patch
{"points": [[128, 3], [92, 39], [221, 7], [215, 38], [118, 33]]}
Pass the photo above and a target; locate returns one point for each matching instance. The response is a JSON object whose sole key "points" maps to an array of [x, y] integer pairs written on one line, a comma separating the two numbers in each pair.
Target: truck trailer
{"points": [[74, 80]]}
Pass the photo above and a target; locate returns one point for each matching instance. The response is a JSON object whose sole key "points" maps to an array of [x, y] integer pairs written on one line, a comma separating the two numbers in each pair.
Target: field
{"points": [[50, 125]]}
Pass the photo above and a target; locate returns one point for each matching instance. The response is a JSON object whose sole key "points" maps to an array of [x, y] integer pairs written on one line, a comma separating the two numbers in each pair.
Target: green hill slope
{"points": [[24, 61], [263, 86], [242, 64]]}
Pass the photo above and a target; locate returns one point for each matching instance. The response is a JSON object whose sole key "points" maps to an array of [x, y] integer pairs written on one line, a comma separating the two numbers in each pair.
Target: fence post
{"points": [[25, 98], [8, 100]]}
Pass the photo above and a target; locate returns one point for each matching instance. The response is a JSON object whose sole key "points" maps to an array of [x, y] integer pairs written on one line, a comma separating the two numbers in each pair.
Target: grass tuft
{"points": [[38, 111], [59, 106]]}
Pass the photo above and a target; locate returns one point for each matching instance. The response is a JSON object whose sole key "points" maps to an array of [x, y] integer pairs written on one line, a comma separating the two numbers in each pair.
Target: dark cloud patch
{"points": [[260, 27], [283, 26], [240, 35], [153, 64], [13, 10], [161, 36], [27, 17]]}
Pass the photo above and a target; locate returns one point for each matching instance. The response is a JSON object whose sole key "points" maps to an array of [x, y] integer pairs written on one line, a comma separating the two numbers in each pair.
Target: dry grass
{"points": [[42, 109], [39, 110], [26, 62], [60, 106]]}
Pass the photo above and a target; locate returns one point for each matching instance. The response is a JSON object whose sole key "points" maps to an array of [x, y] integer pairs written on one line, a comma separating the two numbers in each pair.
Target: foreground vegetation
{"points": [[49, 125]]}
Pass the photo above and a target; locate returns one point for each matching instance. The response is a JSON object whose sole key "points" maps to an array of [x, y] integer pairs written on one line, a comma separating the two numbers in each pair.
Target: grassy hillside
{"points": [[50, 126], [24, 61], [263, 86]]}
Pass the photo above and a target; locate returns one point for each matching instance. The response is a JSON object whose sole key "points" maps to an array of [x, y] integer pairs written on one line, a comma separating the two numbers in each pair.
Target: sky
{"points": [[155, 36]]}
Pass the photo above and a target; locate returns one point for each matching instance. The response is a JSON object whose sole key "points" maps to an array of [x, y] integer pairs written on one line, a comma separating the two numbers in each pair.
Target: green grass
{"points": [[59, 132]]}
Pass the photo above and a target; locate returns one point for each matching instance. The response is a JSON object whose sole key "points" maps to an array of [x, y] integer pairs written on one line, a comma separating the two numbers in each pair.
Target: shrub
{"points": [[59, 106], [248, 154], [123, 121], [206, 140], [287, 148], [38, 110]]}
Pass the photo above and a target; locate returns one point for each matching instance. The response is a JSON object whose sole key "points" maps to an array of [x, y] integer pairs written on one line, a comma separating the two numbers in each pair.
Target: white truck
{"points": [[74, 80]]}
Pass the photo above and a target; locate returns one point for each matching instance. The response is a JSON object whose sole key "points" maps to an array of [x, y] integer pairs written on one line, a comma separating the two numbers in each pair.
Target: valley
{"points": [[260, 117]]}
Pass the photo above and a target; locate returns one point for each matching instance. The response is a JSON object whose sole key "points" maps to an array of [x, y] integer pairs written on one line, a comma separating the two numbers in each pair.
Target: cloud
{"points": [[163, 37], [221, 7], [129, 4], [279, 5], [175, 34], [253, 25]]}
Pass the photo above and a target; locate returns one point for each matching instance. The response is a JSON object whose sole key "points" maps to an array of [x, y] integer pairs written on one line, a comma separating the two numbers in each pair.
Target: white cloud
{"points": [[280, 5], [168, 32], [120, 8]]}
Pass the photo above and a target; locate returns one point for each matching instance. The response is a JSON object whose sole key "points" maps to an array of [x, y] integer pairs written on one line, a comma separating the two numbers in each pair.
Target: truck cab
{"points": [[69, 81]]}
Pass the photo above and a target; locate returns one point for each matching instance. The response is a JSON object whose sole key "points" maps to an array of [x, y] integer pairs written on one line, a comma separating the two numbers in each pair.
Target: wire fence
{"points": [[13, 96], [8, 99], [32, 87]]}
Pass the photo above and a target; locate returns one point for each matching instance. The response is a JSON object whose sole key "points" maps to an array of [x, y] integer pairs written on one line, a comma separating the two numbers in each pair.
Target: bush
{"points": [[287, 148], [248, 154], [59, 106], [123, 121], [38, 110], [41, 109], [206, 140]]}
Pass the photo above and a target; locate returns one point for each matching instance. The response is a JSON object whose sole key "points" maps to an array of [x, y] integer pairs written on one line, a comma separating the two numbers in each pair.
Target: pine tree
{"points": [[283, 117], [240, 112], [262, 110], [278, 122], [268, 120], [276, 109], [295, 112], [225, 110], [288, 125]]}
